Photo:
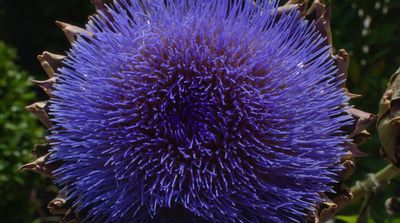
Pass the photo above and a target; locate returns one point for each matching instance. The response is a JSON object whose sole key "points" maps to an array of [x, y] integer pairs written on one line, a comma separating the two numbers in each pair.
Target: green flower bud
{"points": [[388, 124]]}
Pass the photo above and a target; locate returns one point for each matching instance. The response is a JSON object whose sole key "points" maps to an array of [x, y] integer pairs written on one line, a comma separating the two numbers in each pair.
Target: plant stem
{"points": [[372, 182]]}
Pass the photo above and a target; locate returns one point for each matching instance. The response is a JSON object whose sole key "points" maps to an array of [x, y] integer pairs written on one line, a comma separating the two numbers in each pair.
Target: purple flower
{"points": [[197, 111]]}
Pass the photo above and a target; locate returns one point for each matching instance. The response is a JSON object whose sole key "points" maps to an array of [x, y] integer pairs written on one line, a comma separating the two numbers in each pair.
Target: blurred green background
{"points": [[369, 30]]}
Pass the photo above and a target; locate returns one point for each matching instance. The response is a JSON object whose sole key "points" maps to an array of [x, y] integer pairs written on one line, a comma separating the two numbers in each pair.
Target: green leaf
{"points": [[351, 218]]}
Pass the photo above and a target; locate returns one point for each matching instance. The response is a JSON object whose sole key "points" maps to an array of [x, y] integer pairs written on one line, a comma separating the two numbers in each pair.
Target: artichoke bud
{"points": [[388, 124]]}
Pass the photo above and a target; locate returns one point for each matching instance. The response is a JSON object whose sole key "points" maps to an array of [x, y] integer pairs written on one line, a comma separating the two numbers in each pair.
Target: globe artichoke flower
{"points": [[195, 111]]}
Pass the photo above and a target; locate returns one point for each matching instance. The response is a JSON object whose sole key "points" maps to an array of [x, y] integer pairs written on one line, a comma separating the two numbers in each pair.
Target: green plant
{"points": [[18, 132]]}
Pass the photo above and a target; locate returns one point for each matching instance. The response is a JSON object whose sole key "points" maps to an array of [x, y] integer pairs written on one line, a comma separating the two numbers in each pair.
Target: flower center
{"points": [[191, 113]]}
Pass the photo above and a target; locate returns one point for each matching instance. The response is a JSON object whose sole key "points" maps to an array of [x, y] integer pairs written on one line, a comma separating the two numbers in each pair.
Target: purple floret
{"points": [[197, 111]]}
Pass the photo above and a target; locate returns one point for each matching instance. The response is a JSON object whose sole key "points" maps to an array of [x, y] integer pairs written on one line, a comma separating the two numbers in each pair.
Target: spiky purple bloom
{"points": [[197, 111]]}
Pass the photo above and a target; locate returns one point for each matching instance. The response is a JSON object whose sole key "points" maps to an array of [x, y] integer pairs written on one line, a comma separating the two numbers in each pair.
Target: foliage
{"points": [[18, 132]]}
